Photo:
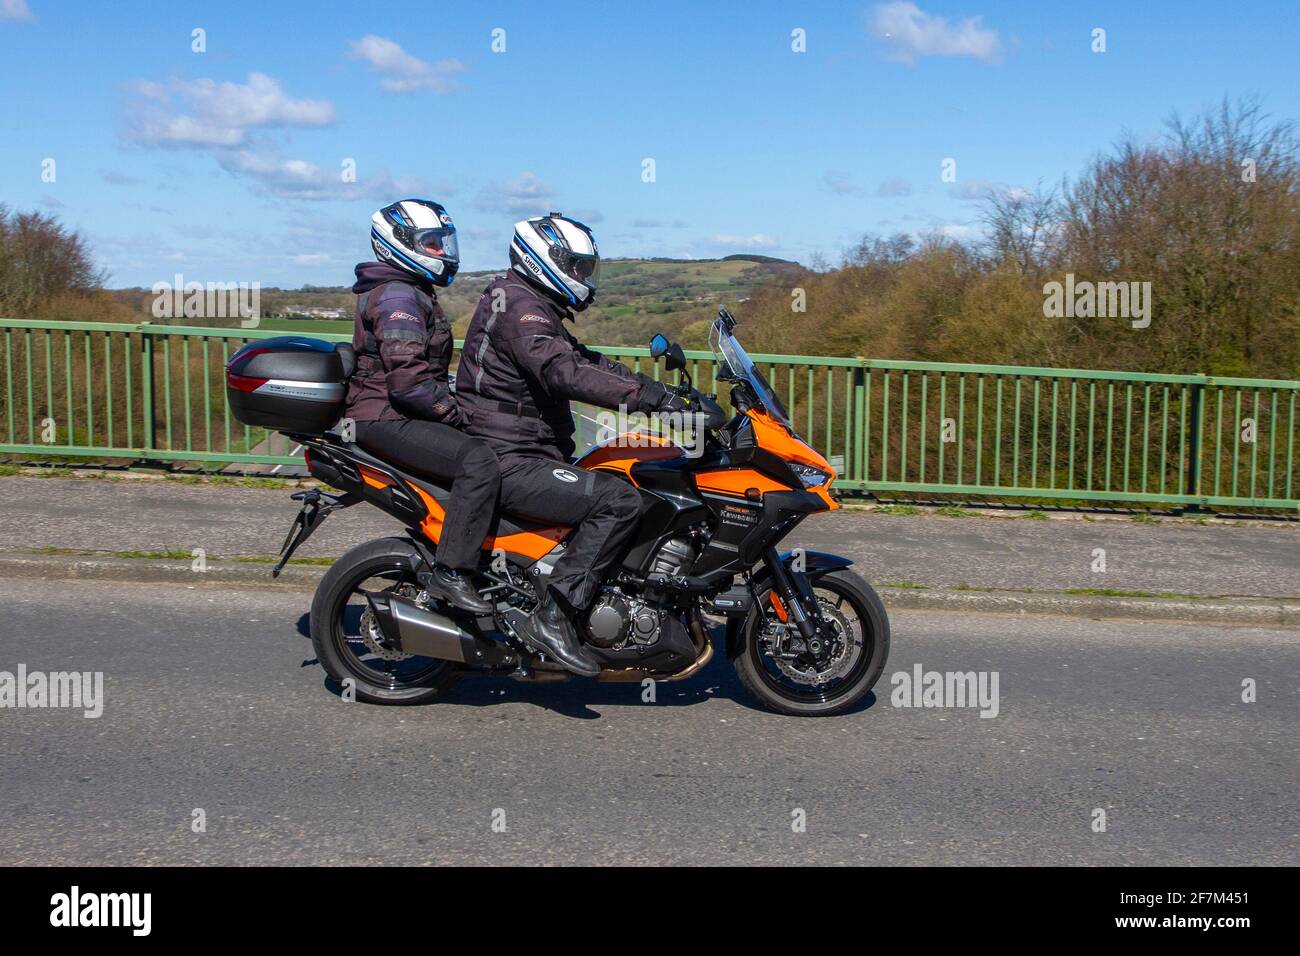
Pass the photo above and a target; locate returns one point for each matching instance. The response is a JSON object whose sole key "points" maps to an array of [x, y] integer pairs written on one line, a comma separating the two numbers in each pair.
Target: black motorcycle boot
{"points": [[550, 631], [456, 588]]}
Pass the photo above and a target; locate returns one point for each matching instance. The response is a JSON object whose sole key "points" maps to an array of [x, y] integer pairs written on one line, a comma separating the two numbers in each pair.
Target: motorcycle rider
{"points": [[519, 368], [400, 398]]}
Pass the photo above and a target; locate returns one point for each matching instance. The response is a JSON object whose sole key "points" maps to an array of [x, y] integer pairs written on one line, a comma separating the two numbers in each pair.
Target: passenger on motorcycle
{"points": [[400, 397]]}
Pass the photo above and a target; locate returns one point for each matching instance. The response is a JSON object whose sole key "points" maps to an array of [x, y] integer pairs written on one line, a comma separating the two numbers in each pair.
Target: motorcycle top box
{"points": [[289, 383]]}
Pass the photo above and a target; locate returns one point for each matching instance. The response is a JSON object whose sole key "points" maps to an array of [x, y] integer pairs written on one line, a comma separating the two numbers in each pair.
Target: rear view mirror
{"points": [[672, 354]]}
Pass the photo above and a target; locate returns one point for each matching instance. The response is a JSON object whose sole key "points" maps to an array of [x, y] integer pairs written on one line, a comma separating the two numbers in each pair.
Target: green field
{"points": [[308, 326], [637, 298]]}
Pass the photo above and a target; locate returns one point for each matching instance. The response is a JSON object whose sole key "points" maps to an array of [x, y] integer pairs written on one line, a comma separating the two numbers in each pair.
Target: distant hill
{"points": [[637, 298]]}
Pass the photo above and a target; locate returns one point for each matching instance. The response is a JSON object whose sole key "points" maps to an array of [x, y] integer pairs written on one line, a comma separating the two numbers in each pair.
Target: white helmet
{"points": [[417, 236], [558, 255]]}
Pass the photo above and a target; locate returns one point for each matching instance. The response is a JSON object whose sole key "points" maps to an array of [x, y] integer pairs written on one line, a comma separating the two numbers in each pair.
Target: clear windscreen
{"points": [[734, 360]]}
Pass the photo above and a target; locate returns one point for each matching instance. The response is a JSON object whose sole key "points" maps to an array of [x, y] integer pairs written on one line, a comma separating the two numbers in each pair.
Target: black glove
{"points": [[678, 404], [652, 394], [658, 397], [450, 413]]}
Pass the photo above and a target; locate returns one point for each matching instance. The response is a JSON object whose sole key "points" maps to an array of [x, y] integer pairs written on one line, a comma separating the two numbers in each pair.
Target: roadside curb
{"points": [[295, 577], [1261, 612]]}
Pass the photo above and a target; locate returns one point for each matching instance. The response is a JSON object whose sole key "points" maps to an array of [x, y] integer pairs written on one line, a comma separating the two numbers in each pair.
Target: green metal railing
{"points": [[91, 390]]}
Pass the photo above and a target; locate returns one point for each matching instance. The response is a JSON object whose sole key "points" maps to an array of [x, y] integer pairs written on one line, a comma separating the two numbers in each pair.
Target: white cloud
{"points": [[300, 179], [974, 189], [658, 224], [403, 73], [896, 186], [842, 184], [838, 184], [977, 190], [16, 10], [959, 232], [912, 33], [206, 113], [525, 195], [758, 240]]}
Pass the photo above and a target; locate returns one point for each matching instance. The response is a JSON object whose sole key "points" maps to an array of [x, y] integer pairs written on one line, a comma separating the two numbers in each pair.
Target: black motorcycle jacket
{"points": [[520, 367], [404, 344]]}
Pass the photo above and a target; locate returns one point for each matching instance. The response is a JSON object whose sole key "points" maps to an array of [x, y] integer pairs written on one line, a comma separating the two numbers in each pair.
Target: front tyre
{"points": [[799, 685], [348, 641]]}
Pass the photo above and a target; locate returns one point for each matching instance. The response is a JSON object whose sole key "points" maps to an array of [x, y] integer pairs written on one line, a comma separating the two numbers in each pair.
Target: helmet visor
{"points": [[440, 243], [585, 269]]}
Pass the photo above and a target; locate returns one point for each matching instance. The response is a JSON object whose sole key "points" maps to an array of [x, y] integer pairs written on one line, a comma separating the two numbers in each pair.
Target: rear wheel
{"points": [[348, 641], [808, 685]]}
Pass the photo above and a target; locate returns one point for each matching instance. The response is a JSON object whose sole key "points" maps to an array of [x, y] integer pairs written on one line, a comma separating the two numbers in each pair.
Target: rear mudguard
{"points": [[816, 564]]}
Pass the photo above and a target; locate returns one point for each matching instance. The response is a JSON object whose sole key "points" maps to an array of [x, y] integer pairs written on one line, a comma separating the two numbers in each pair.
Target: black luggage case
{"points": [[289, 383]]}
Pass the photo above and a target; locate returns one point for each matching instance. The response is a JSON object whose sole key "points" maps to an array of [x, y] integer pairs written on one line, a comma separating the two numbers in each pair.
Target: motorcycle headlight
{"points": [[810, 476]]}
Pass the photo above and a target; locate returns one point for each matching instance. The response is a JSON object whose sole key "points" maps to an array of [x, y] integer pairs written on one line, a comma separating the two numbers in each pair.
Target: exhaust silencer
{"points": [[414, 630]]}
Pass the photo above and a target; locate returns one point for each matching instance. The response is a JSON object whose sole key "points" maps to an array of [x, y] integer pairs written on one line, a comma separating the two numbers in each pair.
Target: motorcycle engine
{"points": [[617, 619], [672, 557]]}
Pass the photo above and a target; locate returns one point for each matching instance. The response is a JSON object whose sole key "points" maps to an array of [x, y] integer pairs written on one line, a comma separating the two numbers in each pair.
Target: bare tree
{"points": [[41, 260], [1024, 229]]}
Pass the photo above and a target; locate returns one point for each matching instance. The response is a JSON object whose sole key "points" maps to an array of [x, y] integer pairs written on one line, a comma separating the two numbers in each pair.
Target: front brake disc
{"points": [[837, 662]]}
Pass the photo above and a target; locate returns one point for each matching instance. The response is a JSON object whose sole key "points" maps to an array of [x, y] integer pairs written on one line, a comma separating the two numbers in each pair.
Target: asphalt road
{"points": [[213, 701], [1260, 559]]}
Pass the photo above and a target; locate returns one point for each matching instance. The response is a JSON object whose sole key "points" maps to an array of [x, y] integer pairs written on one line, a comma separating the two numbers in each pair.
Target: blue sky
{"points": [[226, 165]]}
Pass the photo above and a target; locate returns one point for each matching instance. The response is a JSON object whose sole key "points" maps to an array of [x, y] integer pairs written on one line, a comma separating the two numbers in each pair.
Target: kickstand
{"points": [[316, 507]]}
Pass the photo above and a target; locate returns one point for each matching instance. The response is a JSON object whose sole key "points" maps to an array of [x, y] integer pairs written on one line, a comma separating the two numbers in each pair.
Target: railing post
{"points": [[1193, 464], [146, 383], [859, 422]]}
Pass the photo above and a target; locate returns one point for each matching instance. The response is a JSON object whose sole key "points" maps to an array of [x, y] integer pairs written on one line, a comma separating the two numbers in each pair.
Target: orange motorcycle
{"points": [[807, 636]]}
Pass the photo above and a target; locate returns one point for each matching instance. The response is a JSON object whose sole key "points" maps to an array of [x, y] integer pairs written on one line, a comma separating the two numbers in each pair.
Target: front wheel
{"points": [[803, 685]]}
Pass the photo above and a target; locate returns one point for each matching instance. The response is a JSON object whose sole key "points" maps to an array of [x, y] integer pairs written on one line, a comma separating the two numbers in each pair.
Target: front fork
{"points": [[800, 603]]}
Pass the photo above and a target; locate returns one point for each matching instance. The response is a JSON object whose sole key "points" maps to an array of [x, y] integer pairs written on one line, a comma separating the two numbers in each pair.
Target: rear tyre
{"points": [[796, 687], [348, 643]]}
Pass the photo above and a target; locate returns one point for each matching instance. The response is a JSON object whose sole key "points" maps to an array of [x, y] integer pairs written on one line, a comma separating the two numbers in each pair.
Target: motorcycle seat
{"points": [[502, 524]]}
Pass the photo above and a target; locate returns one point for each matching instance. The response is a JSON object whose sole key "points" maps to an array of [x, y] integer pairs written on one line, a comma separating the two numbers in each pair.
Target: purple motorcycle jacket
{"points": [[403, 342]]}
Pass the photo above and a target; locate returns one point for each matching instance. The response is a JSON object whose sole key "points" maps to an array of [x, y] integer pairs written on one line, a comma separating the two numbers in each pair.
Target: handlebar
{"points": [[714, 416]]}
